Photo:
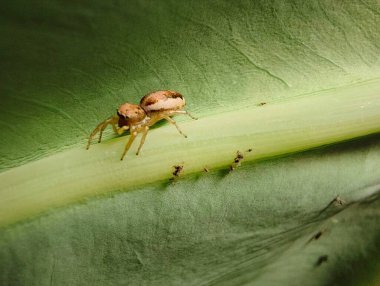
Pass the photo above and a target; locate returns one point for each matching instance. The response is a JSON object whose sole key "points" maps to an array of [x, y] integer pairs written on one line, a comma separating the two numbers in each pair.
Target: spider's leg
{"points": [[182, 112], [175, 124], [145, 132], [128, 145], [113, 121], [100, 128], [101, 132], [93, 133]]}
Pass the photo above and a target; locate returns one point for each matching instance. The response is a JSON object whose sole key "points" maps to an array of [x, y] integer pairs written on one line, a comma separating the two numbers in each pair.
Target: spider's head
{"points": [[130, 114]]}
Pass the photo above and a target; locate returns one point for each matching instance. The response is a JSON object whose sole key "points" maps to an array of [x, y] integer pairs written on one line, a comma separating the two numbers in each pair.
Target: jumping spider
{"points": [[153, 107]]}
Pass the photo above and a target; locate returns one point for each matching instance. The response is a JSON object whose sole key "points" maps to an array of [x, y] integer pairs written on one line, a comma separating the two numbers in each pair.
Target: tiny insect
{"points": [[177, 172], [237, 161], [317, 235], [205, 169], [137, 118], [321, 259], [238, 158], [261, 103]]}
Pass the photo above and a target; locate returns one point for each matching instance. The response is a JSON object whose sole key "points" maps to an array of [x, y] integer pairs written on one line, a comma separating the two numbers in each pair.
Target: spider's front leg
{"points": [[100, 128], [145, 132], [133, 137], [128, 145]]}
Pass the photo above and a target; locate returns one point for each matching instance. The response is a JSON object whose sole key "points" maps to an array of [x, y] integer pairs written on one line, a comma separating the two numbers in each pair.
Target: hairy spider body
{"points": [[153, 107]]}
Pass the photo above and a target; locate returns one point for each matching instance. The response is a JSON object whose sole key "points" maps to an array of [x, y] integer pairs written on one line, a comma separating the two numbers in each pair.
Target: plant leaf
{"points": [[67, 65], [269, 131], [254, 226]]}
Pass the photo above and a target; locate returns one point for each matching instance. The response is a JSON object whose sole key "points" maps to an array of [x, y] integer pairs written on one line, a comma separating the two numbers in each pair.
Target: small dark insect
{"points": [[261, 103], [237, 161], [206, 169], [239, 156], [317, 235], [321, 259], [249, 150], [177, 170]]}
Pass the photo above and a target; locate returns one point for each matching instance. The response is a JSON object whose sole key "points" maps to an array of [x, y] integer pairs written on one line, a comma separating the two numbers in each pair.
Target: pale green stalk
{"points": [[270, 130]]}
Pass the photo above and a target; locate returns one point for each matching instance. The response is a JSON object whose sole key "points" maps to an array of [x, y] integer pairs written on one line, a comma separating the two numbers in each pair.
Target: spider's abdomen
{"points": [[162, 100]]}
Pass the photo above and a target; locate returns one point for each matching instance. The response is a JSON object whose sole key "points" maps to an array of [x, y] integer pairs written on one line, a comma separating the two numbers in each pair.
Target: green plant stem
{"points": [[270, 130]]}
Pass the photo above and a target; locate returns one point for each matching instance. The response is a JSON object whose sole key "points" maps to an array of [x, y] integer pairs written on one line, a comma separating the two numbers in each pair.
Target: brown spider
{"points": [[138, 118]]}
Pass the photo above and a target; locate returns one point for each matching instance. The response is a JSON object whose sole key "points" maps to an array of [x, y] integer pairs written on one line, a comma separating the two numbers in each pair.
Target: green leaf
{"points": [[252, 226], [267, 131], [67, 66]]}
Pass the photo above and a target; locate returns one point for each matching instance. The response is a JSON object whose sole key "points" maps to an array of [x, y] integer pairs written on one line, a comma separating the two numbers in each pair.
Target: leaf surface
{"points": [[66, 66]]}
